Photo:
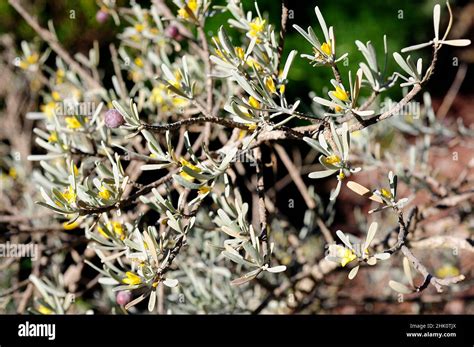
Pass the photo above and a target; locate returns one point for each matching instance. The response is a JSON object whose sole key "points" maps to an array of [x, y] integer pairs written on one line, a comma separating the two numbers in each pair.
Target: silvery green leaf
{"points": [[458, 43], [416, 47], [231, 232], [403, 64], [325, 102], [167, 72], [367, 73], [353, 272], [152, 300], [345, 135], [277, 269], [321, 174], [436, 17], [401, 288], [172, 222], [222, 63], [313, 143], [227, 159], [382, 256], [238, 259], [136, 301], [185, 183], [369, 55], [363, 113], [372, 261], [254, 254], [407, 270], [48, 146], [288, 63], [305, 35], [195, 174], [322, 23], [245, 85], [170, 282], [150, 167], [225, 42], [108, 281], [336, 138], [38, 157], [344, 239], [393, 183], [41, 288], [370, 235], [336, 191], [246, 278]]}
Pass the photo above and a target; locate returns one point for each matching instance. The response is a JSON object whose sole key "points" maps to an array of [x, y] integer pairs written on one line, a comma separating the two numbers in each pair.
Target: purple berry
{"points": [[173, 33], [124, 297], [101, 16], [113, 119]]}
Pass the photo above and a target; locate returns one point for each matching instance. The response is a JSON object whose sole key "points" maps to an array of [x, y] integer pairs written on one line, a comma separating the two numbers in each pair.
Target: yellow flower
{"points": [[251, 126], [48, 109], [185, 175], [347, 257], [138, 62], [256, 27], [254, 102], [270, 84], [239, 51], [192, 5], [332, 159], [204, 190], [53, 137], [28, 61], [104, 193], [131, 278], [12, 173], [282, 89], [337, 109], [72, 123], [386, 194], [341, 176], [447, 271], [75, 170], [116, 227], [55, 95], [253, 63], [341, 94], [139, 27], [326, 48], [60, 76], [69, 195], [71, 226], [44, 310]]}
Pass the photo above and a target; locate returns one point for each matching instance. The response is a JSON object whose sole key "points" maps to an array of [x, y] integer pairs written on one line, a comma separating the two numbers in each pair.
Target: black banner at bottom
{"points": [[213, 329]]}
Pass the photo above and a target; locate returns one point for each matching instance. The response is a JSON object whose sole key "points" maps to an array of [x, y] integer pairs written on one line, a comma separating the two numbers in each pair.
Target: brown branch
{"points": [[192, 121], [284, 20], [429, 278], [262, 210]]}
